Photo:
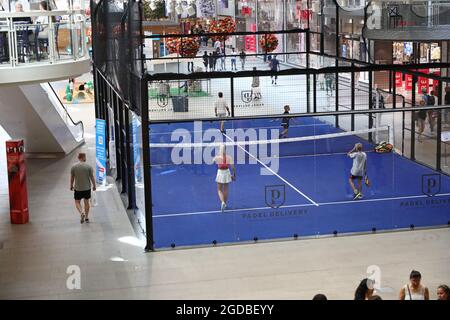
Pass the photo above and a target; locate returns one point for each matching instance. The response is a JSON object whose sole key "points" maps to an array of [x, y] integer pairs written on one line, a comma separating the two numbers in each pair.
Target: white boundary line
{"points": [[272, 127], [276, 174], [300, 205], [286, 157]]}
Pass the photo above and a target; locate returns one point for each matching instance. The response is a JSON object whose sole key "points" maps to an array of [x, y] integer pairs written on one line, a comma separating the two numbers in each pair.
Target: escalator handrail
{"points": [[67, 112]]}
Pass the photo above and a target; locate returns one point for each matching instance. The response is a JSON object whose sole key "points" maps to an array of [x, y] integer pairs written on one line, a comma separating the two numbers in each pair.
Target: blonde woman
{"points": [[224, 176]]}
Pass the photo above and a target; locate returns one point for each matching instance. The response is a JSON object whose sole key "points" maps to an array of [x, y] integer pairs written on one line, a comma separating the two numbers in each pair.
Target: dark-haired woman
{"points": [[414, 290], [443, 292], [364, 290]]}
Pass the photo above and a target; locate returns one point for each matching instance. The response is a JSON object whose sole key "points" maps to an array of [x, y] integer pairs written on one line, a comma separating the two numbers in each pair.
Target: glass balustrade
{"points": [[37, 37]]}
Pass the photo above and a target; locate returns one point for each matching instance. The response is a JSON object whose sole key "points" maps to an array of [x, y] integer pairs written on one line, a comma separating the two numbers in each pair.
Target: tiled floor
{"points": [[34, 258]]}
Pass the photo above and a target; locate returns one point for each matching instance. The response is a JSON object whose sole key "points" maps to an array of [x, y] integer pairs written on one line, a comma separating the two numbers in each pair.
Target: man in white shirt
{"points": [[217, 45], [221, 109], [358, 170]]}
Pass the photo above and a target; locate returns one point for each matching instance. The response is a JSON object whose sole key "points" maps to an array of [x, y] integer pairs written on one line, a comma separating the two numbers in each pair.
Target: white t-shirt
{"points": [[359, 162], [221, 106]]}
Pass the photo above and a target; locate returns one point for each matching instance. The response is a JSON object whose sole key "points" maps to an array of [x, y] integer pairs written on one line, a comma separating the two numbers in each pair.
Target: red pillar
{"points": [[18, 195]]}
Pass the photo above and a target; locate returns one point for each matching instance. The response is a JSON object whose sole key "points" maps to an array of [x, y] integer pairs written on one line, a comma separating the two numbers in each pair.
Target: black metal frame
{"points": [[136, 100]]}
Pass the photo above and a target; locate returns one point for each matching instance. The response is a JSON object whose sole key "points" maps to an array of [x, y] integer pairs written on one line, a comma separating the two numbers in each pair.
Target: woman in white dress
{"points": [[414, 290], [224, 177]]}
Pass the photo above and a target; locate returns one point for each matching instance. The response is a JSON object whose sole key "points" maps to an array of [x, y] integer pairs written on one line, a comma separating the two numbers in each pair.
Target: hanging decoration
{"points": [[226, 25], [207, 8], [268, 42], [185, 47]]}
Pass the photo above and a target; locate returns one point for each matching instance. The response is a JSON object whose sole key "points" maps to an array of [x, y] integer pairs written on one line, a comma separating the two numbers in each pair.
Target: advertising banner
{"points": [[100, 150], [408, 82], [436, 72], [423, 83], [398, 80], [18, 195]]}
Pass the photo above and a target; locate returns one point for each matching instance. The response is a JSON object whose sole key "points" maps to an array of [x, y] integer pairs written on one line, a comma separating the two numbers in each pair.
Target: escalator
{"points": [[35, 113]]}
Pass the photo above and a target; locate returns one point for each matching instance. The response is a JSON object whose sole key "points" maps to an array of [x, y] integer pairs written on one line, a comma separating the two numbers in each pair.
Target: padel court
{"points": [[307, 195]]}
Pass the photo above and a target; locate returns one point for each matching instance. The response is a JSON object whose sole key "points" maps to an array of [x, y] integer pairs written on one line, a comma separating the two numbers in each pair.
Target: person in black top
{"points": [[242, 56], [211, 62], [274, 66], [205, 60], [285, 122], [215, 57]]}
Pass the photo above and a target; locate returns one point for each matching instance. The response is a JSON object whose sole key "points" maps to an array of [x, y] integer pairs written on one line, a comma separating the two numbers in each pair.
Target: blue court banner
{"points": [[100, 150], [137, 145]]}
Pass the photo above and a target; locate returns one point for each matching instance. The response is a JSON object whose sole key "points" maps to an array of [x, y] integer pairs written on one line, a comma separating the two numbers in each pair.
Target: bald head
{"points": [[19, 7]]}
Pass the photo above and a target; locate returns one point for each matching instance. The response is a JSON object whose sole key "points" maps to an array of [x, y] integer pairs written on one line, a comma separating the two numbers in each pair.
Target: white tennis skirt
{"points": [[223, 176]]}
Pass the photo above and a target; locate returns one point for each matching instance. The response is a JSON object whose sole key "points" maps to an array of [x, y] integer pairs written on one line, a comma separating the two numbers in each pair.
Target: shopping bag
{"points": [[94, 200]]}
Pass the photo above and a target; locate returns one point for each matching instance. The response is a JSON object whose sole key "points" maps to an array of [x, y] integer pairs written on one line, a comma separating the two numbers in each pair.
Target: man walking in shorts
{"points": [[358, 170], [221, 110], [81, 177]]}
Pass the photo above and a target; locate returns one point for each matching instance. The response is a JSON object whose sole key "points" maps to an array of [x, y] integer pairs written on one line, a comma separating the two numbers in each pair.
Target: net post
{"points": [[148, 202], [352, 93], [232, 96], [403, 126], [308, 78], [394, 92], [370, 105], [336, 75], [413, 123], [438, 141], [439, 129], [314, 93]]}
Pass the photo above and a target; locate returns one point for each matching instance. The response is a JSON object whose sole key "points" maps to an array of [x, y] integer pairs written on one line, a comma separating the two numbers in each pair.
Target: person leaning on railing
{"points": [[43, 21]]}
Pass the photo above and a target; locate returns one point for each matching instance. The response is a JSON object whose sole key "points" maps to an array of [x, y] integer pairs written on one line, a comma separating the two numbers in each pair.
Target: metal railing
{"points": [[23, 41], [76, 128], [396, 15]]}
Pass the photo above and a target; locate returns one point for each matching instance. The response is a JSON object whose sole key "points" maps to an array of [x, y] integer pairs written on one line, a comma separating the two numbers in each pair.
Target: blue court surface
{"points": [[308, 196]]}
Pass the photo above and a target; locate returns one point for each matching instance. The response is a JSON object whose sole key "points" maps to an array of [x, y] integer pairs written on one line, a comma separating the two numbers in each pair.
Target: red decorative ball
{"points": [[226, 25], [185, 47], [269, 42]]}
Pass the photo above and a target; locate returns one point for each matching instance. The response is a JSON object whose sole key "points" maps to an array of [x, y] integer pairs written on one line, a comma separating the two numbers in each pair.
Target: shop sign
{"points": [[398, 80], [423, 82], [436, 72], [408, 82]]}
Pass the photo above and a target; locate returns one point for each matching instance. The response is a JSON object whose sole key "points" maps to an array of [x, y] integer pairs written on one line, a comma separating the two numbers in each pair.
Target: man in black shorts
{"points": [[285, 122], [82, 175]]}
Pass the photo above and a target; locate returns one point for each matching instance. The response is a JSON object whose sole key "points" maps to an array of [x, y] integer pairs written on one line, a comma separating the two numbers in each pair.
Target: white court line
{"points": [[284, 157], [272, 127], [281, 178], [298, 205]]}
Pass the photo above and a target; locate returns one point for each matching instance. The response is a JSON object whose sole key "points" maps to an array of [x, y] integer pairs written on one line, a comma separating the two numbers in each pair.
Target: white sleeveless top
{"points": [[420, 295]]}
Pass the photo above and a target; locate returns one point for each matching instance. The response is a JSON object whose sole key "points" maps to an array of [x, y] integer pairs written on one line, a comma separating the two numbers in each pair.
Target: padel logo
{"points": [[275, 196], [162, 100], [236, 146], [431, 184], [248, 96]]}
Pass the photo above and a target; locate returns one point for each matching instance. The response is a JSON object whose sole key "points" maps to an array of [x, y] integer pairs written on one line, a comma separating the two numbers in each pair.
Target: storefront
{"points": [[271, 18], [246, 22], [415, 52], [298, 15]]}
